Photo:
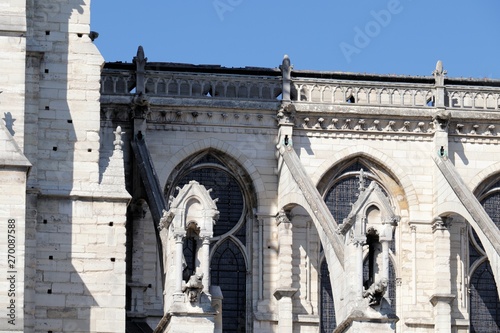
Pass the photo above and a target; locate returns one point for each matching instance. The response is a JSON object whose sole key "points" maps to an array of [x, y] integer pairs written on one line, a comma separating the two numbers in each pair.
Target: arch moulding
{"points": [[484, 174], [167, 167], [377, 156]]}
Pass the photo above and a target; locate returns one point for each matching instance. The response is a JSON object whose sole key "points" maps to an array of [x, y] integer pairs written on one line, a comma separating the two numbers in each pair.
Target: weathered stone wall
{"points": [[76, 201]]}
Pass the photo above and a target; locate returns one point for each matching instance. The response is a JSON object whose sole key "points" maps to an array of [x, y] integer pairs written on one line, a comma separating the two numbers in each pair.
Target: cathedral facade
{"points": [[165, 197]]}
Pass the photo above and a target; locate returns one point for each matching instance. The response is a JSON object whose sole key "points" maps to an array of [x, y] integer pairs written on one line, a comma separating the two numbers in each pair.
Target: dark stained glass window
{"points": [[227, 267], [226, 189], [391, 288], [229, 272], [484, 304], [484, 301], [327, 319], [492, 206], [340, 196]]}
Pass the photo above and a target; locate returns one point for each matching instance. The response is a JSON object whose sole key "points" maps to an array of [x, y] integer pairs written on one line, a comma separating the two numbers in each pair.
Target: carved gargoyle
{"points": [[193, 287], [140, 106], [375, 292], [441, 120], [286, 113]]}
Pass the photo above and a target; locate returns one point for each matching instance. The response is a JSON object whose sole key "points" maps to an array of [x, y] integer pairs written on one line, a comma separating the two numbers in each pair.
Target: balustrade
{"points": [[321, 91]]}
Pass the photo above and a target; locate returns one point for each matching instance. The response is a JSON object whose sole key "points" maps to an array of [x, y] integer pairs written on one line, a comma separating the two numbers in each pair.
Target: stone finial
{"points": [[140, 70], [439, 71], [439, 74], [140, 59], [361, 178], [286, 72], [286, 67], [118, 138]]}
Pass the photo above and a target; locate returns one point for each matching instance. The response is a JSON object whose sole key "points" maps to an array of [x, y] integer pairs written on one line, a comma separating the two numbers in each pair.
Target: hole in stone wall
{"points": [[113, 259], [110, 224], [47, 107], [54, 148], [46, 71], [89, 150], [44, 221], [79, 35], [47, 32], [51, 257], [150, 286], [49, 291], [70, 121]]}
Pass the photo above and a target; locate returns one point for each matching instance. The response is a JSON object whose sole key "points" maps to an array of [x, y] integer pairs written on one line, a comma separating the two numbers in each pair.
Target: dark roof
{"points": [[299, 74]]}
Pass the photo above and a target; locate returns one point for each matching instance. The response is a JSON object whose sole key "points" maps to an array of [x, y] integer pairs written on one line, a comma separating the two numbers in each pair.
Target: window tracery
{"points": [[340, 193], [228, 264], [484, 299]]}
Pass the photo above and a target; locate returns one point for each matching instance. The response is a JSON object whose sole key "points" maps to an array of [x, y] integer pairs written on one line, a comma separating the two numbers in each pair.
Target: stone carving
{"points": [[193, 287], [439, 71], [489, 130], [405, 127], [282, 217], [375, 126], [376, 291], [360, 126], [333, 125], [118, 138], [140, 106], [286, 113], [390, 126], [420, 127], [441, 119], [347, 124]]}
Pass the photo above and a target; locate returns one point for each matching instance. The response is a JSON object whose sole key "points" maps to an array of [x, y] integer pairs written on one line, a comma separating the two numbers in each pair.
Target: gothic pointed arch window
{"points": [[484, 299], [228, 265], [341, 190]]}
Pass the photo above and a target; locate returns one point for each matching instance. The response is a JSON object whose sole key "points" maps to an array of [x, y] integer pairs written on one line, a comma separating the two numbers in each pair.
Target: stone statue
{"points": [[375, 292], [193, 287]]}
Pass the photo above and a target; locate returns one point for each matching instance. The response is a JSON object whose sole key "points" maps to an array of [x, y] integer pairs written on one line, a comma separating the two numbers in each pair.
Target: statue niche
{"points": [[186, 231], [369, 230]]}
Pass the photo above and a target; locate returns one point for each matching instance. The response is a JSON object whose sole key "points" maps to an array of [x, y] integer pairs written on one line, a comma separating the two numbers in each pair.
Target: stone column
{"points": [[442, 297], [179, 239], [205, 263], [413, 229], [285, 292], [359, 267]]}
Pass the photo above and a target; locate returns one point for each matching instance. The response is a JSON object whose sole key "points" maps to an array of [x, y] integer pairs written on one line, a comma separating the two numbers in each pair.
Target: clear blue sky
{"points": [[404, 37]]}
